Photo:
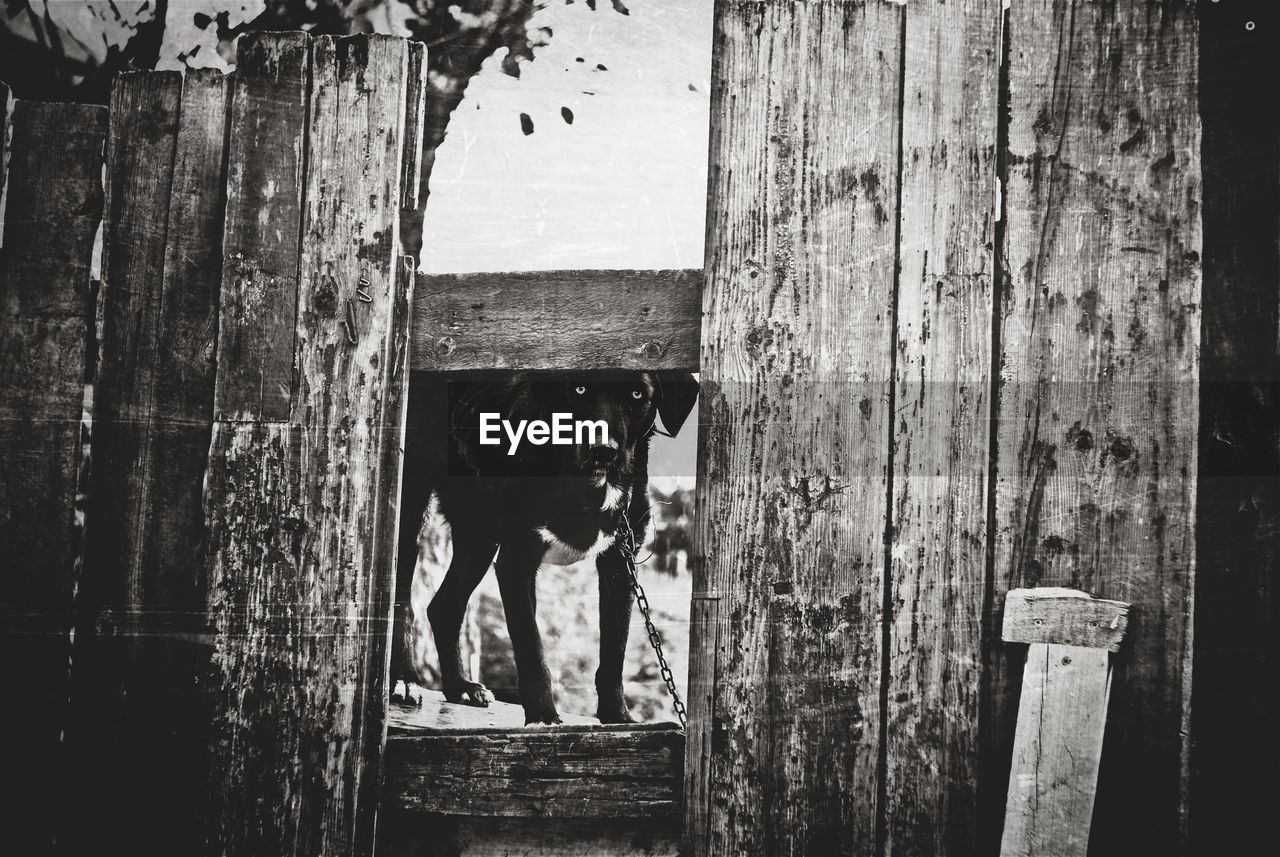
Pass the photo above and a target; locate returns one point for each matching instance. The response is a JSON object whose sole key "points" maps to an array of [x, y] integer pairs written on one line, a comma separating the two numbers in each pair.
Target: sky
{"points": [[623, 186]]}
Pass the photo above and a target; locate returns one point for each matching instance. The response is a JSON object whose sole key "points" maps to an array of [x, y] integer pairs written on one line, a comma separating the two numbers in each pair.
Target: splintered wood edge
{"points": [[1066, 616]]}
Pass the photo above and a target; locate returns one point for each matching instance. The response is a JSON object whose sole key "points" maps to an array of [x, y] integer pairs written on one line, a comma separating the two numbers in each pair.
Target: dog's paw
{"points": [[406, 698], [614, 715], [611, 705], [469, 693], [541, 718]]}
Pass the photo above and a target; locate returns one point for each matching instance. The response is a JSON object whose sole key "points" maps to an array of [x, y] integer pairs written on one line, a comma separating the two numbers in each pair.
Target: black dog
{"points": [[540, 502]]}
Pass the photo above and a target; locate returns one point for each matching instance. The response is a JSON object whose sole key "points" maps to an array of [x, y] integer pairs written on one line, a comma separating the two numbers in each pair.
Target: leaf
{"points": [[567, 114], [526, 124]]}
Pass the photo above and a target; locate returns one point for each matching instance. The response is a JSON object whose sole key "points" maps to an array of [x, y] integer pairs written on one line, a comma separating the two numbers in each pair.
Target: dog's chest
{"points": [[560, 552], [586, 534]]}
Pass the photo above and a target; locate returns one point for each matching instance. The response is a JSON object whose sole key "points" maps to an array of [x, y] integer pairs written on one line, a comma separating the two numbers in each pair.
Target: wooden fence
{"points": [[223, 648], [950, 344]]}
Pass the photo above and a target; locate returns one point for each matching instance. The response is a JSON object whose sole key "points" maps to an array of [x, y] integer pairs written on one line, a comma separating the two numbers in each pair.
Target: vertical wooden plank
{"points": [[413, 191], [140, 154], [1236, 717], [1061, 718], [6, 107], [701, 739], [101, 738], [142, 651], [941, 438], [794, 423], [380, 626], [419, 410], [53, 203], [259, 288], [299, 572], [1100, 341]]}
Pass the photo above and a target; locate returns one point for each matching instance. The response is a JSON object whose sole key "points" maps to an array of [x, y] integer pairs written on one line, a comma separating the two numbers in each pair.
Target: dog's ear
{"points": [[677, 391]]}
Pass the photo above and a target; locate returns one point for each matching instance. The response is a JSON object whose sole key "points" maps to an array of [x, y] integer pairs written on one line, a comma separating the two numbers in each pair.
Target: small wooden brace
{"points": [[1062, 714], [1053, 614]]}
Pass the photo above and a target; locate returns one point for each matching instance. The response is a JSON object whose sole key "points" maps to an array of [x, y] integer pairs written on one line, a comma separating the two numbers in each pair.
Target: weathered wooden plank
{"points": [[108, 698], [299, 573], [1099, 350], [413, 177], [6, 107], [796, 345], [539, 773], [411, 834], [53, 204], [558, 320], [140, 156], [1051, 614], [1235, 720], [704, 645], [142, 657], [381, 625], [942, 378], [1057, 750], [411, 194], [259, 289]]}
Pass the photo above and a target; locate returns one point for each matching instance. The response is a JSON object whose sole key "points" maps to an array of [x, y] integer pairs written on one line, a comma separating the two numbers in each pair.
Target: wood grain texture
{"points": [[1056, 752], [558, 320], [140, 157], [411, 193], [941, 441], [259, 289], [701, 736], [6, 108], [299, 573], [414, 172], [123, 688], [1051, 614], [144, 649], [53, 204], [573, 772], [794, 421], [412, 834], [1099, 350]]}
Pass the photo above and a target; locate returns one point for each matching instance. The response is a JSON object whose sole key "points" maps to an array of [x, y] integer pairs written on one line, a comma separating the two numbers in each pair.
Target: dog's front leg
{"points": [[472, 553], [615, 621], [517, 569]]}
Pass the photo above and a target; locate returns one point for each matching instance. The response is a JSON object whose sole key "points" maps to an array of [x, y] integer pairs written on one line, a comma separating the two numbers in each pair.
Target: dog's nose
{"points": [[603, 455]]}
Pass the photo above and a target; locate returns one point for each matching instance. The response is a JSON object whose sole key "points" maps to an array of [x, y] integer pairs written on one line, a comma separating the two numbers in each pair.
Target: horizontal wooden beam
{"points": [[574, 771], [558, 320], [1053, 614]]}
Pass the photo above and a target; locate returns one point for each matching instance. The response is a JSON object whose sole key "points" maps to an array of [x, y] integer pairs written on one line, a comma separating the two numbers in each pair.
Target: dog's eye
{"points": [[580, 389], [637, 394]]}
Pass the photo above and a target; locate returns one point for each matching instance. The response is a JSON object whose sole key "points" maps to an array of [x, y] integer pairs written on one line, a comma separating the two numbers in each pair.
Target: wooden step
{"points": [[466, 760]]}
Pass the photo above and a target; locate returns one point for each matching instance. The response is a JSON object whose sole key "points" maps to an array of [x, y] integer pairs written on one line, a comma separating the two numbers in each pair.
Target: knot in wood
{"points": [[653, 350]]}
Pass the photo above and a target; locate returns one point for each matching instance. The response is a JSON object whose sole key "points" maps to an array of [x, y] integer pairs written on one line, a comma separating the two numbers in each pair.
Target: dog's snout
{"points": [[604, 455]]}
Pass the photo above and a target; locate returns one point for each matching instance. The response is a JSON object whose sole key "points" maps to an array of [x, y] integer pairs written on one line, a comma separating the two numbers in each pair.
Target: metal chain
{"points": [[628, 547]]}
